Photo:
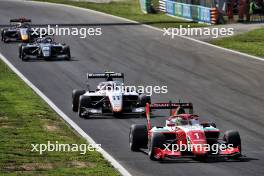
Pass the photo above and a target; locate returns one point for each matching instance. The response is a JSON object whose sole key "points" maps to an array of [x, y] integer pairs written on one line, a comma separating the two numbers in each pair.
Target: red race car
{"points": [[183, 136]]}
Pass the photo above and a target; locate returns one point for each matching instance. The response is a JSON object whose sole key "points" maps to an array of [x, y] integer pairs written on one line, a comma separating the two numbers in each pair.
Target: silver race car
{"points": [[110, 98], [44, 48]]}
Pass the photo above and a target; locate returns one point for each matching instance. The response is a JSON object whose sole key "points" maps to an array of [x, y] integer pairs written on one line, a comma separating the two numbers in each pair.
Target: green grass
{"points": [[251, 42], [26, 119], [130, 9]]}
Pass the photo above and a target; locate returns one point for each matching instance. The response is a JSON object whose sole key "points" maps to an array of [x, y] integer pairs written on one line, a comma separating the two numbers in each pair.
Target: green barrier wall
{"points": [[145, 6], [188, 11]]}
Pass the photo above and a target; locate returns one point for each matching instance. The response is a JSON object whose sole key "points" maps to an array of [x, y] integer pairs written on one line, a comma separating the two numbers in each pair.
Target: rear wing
{"points": [[20, 20], [173, 107], [108, 76]]}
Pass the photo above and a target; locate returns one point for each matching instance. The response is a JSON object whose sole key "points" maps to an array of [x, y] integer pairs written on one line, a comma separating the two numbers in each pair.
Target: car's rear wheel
{"points": [[5, 40], [68, 53], [157, 141], [2, 35], [143, 100], [75, 99], [84, 102], [138, 137]]}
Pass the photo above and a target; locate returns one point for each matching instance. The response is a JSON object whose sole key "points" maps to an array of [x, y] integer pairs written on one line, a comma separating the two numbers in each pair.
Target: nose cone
{"points": [[198, 142], [116, 100], [24, 34], [46, 51]]}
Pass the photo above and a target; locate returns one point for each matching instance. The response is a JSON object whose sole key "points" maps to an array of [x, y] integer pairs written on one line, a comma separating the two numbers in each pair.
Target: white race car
{"points": [[110, 98]]}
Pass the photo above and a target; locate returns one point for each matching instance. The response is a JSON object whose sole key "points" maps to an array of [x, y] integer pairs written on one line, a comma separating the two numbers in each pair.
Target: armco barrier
{"points": [[145, 6], [188, 11]]}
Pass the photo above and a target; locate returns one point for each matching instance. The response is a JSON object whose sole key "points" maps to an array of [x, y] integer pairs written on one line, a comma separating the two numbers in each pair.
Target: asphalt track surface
{"points": [[224, 87]]}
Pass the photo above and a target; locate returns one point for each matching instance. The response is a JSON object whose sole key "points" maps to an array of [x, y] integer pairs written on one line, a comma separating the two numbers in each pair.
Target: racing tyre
{"points": [[23, 56], [157, 141], [84, 102], [75, 99], [232, 137], [20, 49], [5, 40], [143, 100], [68, 52], [138, 137], [2, 35]]}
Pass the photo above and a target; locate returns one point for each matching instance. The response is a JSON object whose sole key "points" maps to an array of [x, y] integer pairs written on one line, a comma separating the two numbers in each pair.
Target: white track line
{"points": [[155, 28], [106, 155]]}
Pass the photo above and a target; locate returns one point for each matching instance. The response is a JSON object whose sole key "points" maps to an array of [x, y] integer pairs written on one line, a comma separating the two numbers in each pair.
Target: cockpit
{"points": [[181, 121], [22, 25], [45, 40]]}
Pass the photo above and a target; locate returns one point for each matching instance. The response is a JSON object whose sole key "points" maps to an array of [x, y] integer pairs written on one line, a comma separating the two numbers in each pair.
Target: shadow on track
{"points": [[51, 60], [210, 159], [99, 24], [114, 117]]}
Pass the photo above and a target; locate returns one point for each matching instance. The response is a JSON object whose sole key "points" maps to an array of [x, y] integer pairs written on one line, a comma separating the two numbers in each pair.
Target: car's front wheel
{"points": [[24, 56], [84, 102], [2, 35], [157, 141], [138, 137], [232, 137], [75, 99], [143, 100]]}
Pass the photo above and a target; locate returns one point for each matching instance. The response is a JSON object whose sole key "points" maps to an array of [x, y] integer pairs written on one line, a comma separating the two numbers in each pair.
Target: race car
{"points": [[45, 48], [183, 136], [20, 30], [110, 98]]}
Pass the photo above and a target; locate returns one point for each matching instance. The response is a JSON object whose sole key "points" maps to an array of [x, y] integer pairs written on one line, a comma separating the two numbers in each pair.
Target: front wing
{"points": [[163, 153]]}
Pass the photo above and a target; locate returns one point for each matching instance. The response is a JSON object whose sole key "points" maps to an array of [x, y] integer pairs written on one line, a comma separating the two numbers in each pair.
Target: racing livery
{"points": [[110, 98], [20, 30], [183, 129], [45, 48]]}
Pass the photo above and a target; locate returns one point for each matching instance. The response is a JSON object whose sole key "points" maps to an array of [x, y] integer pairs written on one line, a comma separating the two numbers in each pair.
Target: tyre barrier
{"points": [[214, 14]]}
